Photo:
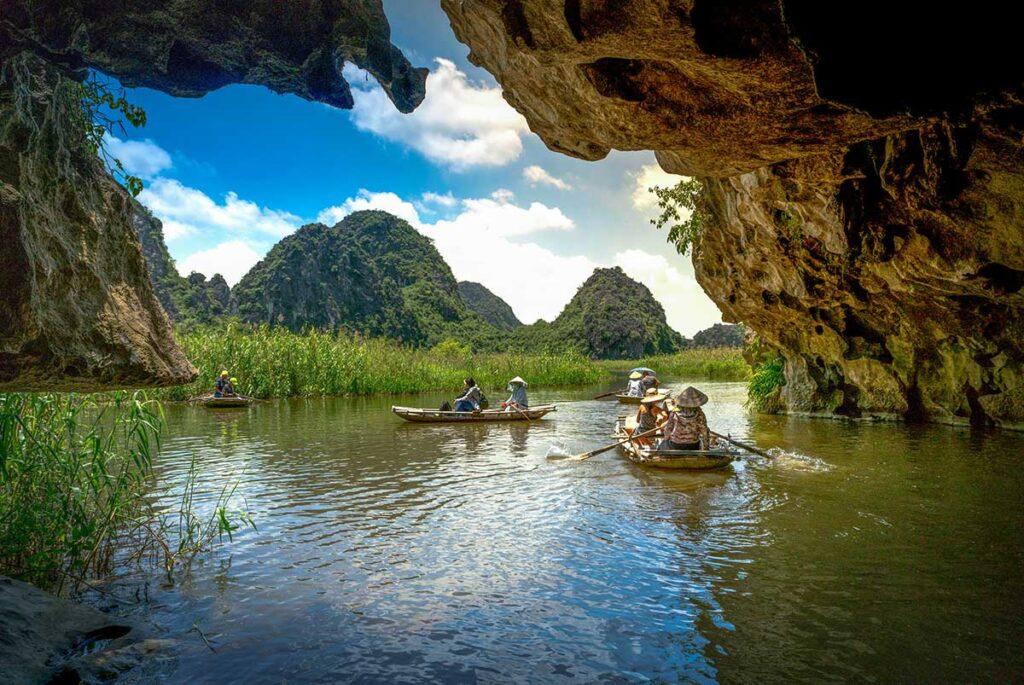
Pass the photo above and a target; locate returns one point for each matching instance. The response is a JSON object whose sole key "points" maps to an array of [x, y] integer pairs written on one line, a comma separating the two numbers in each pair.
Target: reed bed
{"points": [[74, 473], [719, 364], [274, 362]]}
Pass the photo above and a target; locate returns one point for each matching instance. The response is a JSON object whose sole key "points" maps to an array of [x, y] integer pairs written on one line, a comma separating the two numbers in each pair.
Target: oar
{"points": [[525, 415], [749, 448], [591, 453], [608, 394]]}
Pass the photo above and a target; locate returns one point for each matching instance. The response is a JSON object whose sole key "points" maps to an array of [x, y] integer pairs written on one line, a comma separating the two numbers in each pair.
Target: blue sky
{"points": [[233, 172]]}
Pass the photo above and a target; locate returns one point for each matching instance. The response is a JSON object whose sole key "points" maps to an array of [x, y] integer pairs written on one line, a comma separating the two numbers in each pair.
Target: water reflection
{"points": [[394, 552]]}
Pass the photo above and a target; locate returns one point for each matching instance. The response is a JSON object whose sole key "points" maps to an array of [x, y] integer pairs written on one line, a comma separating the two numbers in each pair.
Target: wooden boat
{"points": [[225, 402], [717, 457], [438, 416], [627, 399]]}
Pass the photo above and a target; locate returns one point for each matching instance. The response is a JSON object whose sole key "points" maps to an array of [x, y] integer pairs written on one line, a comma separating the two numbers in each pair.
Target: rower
{"points": [[518, 399], [687, 427], [649, 415], [635, 388]]}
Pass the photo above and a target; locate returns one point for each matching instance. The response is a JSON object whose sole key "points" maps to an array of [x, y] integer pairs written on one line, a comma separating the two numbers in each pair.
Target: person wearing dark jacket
{"points": [[469, 400]]}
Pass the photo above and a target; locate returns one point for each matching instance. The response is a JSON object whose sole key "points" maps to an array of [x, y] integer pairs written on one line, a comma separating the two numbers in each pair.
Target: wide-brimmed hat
{"points": [[653, 397], [691, 397], [635, 376], [518, 379]]}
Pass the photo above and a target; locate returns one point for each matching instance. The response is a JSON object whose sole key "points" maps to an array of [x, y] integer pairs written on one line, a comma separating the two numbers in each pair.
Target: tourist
{"points": [[687, 427], [469, 400], [230, 390], [649, 381], [649, 415], [635, 388], [517, 400], [221, 385]]}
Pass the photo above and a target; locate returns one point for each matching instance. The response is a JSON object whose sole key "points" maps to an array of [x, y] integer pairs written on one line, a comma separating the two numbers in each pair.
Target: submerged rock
{"points": [[47, 639], [862, 166]]}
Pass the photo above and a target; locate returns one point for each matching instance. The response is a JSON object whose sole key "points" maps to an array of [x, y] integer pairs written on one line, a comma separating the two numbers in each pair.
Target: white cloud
{"points": [[536, 174], [460, 125], [142, 158], [687, 308], [503, 195], [231, 259], [446, 200], [173, 202], [388, 202], [651, 175], [175, 230]]}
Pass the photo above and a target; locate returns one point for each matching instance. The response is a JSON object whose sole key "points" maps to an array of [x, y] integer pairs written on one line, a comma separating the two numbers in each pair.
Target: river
{"points": [[389, 552]]}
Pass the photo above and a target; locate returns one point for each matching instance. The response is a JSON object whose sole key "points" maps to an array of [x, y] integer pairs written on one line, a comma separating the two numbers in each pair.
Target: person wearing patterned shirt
{"points": [[687, 427]]}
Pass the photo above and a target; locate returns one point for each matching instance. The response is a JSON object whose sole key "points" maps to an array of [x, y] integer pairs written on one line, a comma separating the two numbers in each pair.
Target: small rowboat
{"points": [[628, 399], [438, 416], [225, 402], [715, 458]]}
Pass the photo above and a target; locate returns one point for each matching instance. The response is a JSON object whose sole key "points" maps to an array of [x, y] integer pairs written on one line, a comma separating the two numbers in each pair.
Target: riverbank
{"points": [[717, 364], [274, 362]]}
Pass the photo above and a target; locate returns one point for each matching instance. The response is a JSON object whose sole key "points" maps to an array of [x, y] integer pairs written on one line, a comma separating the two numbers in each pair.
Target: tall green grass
{"points": [[764, 394], [74, 473], [722, 364], [274, 362]]}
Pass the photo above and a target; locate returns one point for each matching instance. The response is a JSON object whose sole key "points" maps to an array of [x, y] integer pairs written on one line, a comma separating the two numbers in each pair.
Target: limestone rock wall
{"points": [[863, 166], [78, 310]]}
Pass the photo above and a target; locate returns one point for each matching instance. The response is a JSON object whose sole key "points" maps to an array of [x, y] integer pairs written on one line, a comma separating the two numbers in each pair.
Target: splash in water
{"points": [[795, 461], [556, 451]]}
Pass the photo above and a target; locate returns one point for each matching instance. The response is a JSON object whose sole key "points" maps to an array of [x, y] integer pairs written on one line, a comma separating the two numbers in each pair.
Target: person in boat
{"points": [[469, 400], [222, 384], [649, 381], [635, 387], [650, 415], [230, 391], [517, 400], [687, 427]]}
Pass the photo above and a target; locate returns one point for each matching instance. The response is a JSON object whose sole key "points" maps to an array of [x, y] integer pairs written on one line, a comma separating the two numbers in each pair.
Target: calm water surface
{"points": [[390, 552]]}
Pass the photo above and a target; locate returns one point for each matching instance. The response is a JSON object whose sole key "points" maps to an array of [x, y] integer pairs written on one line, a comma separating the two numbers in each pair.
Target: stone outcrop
{"points": [[44, 639], [190, 47], [488, 306], [188, 301], [78, 311], [862, 169]]}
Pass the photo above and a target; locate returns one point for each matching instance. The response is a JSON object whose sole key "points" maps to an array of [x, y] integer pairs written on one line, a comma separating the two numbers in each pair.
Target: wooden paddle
{"points": [[749, 448], [591, 453], [608, 394]]}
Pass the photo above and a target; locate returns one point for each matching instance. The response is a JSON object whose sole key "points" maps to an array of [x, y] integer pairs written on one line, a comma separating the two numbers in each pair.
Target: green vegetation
{"points": [[720, 335], [488, 306], [725, 364], [763, 392], [684, 211], [73, 475], [104, 108], [610, 317], [275, 362], [188, 301]]}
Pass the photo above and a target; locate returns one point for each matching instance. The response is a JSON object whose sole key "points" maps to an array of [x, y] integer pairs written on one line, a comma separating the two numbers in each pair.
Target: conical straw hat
{"points": [[691, 397]]}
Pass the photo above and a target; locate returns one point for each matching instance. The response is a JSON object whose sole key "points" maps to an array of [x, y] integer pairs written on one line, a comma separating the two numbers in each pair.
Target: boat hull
{"points": [[693, 460], [417, 415], [626, 399], [226, 402]]}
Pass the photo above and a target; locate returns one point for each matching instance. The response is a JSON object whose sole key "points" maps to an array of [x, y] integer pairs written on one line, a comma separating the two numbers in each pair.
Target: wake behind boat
{"points": [[438, 416]]}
